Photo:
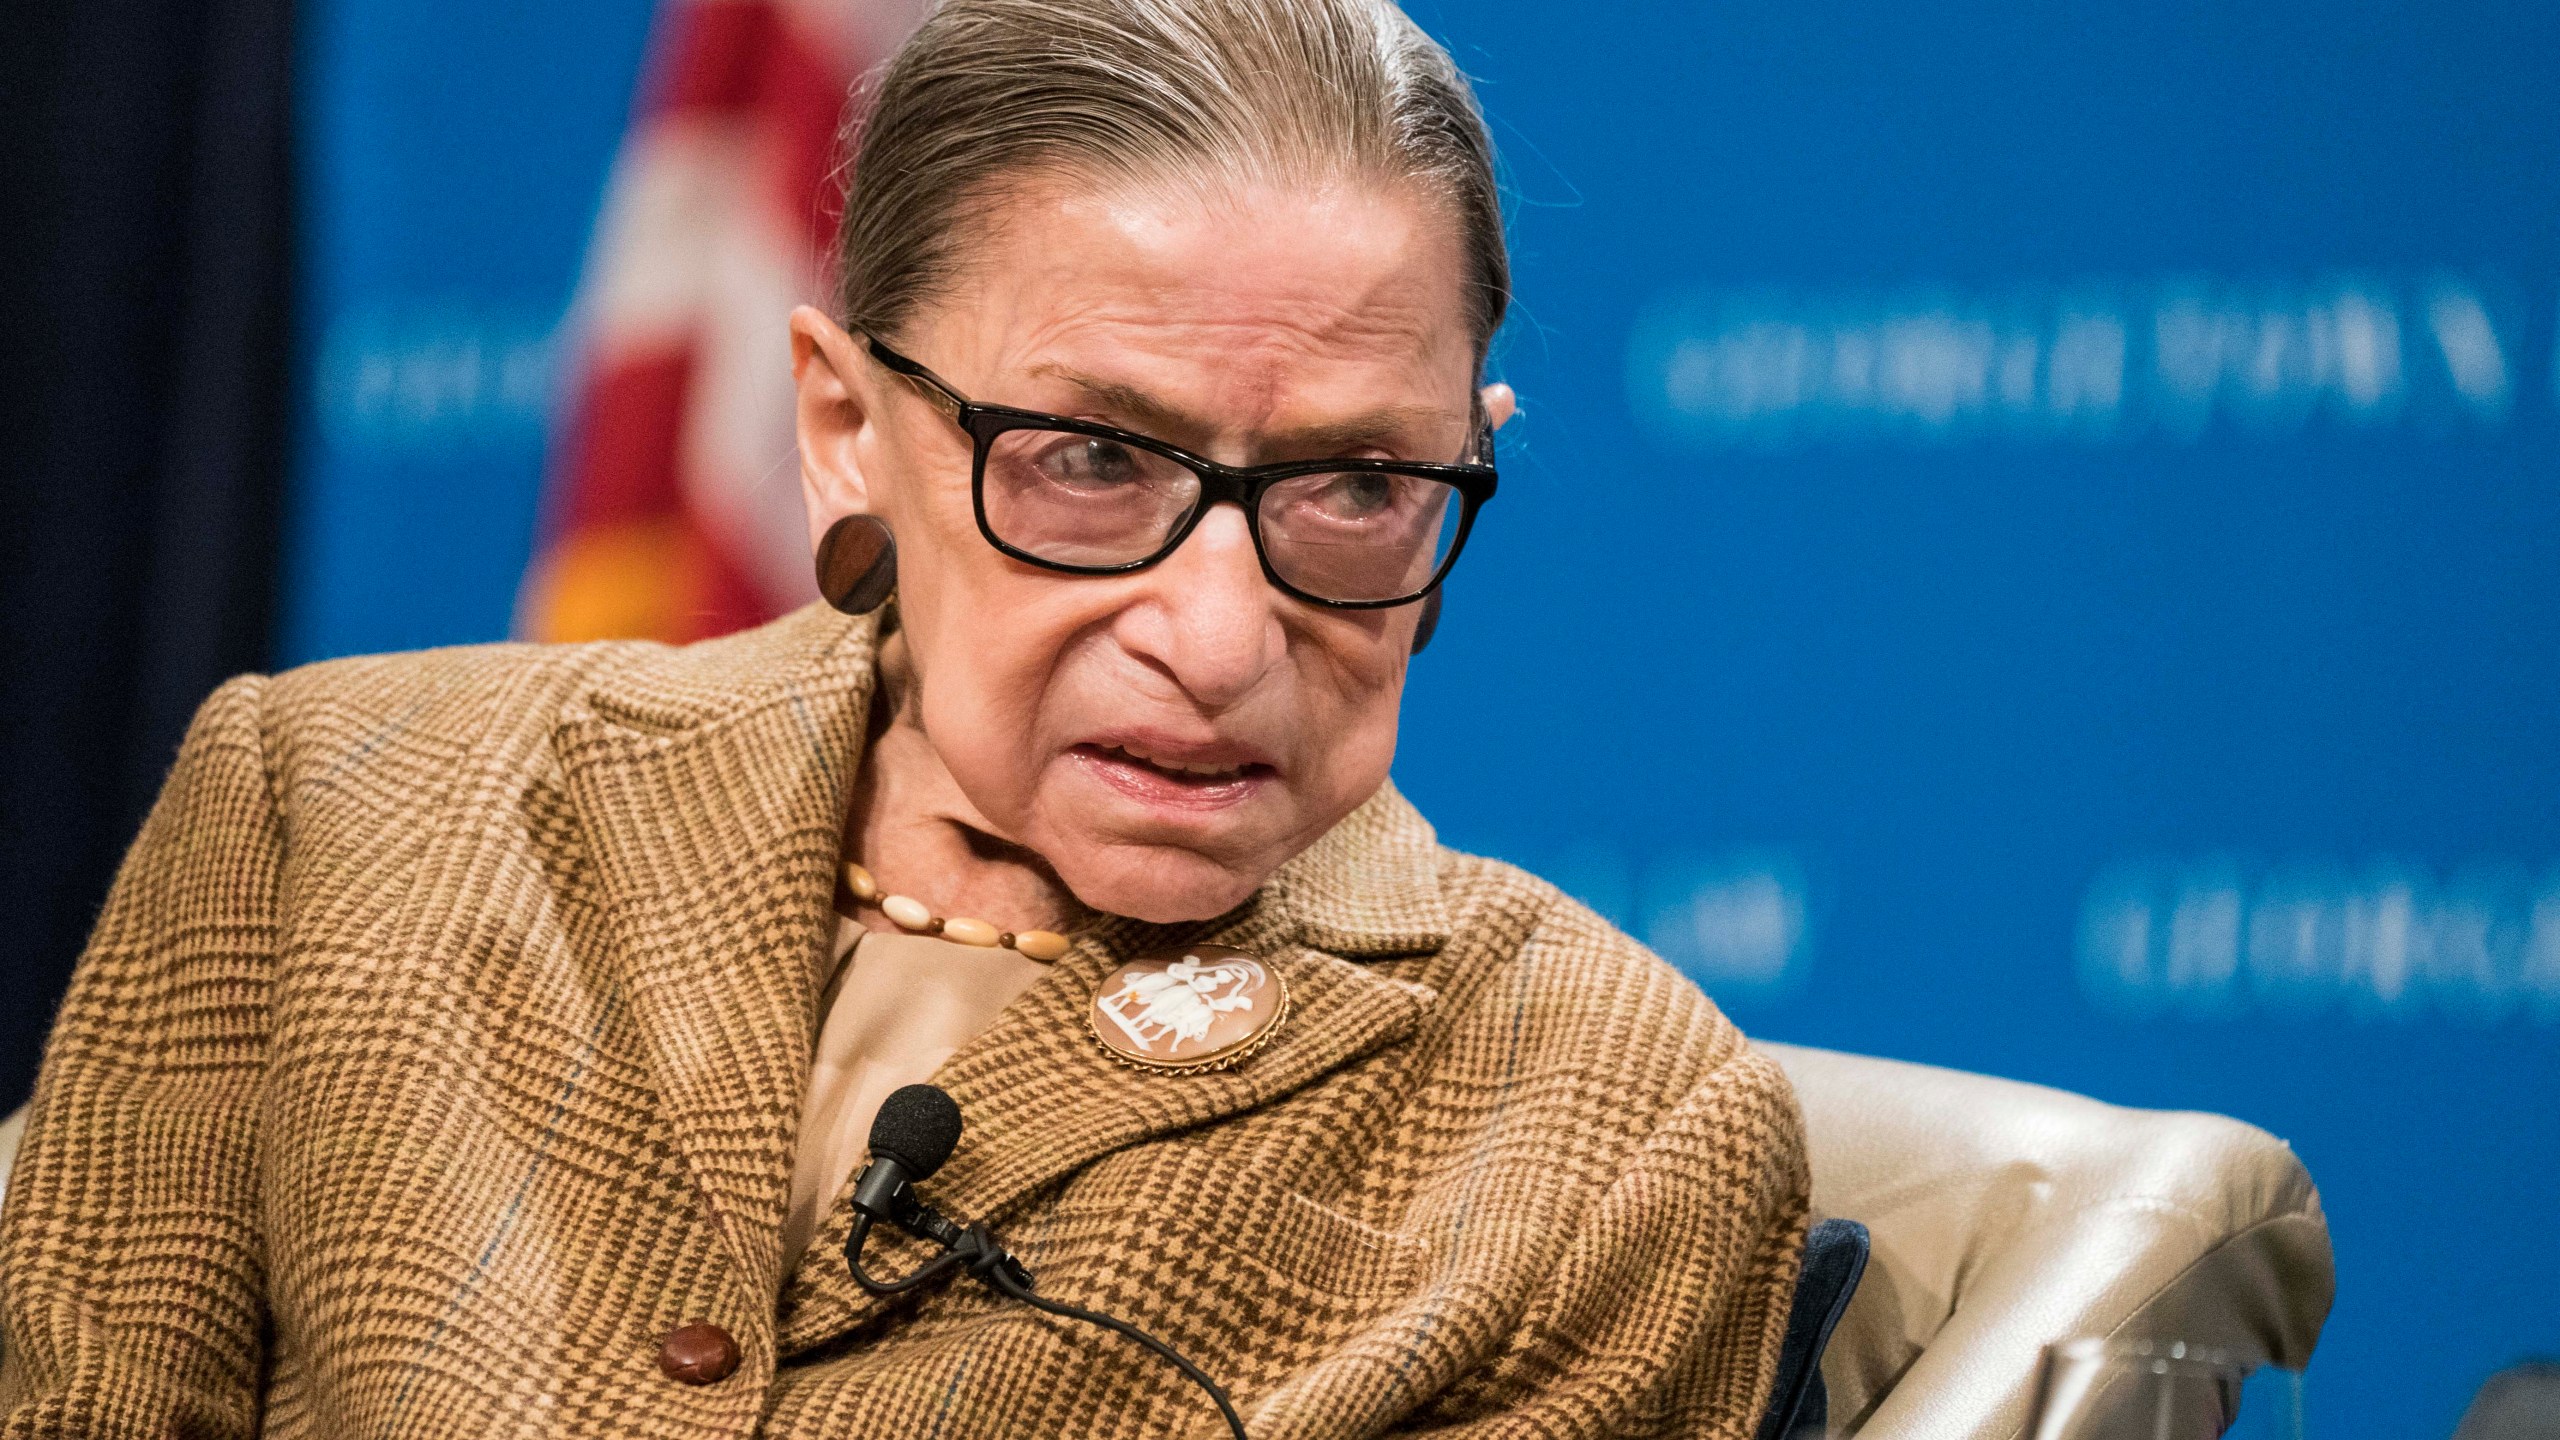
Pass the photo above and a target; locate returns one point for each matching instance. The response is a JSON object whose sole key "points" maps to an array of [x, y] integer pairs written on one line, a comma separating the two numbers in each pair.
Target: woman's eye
{"points": [[1359, 497], [1092, 462]]}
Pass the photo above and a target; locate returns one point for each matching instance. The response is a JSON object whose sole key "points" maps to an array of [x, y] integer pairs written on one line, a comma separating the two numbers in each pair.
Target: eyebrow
{"points": [[1146, 414]]}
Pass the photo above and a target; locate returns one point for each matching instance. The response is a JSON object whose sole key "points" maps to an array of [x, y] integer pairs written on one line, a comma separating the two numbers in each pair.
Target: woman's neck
{"points": [[918, 835]]}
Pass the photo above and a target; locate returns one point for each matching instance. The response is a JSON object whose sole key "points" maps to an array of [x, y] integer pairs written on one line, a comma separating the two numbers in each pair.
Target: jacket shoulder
{"points": [[445, 700], [508, 697]]}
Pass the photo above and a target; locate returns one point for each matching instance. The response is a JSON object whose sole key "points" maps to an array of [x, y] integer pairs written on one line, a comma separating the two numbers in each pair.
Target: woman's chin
{"points": [[1158, 858], [1160, 884]]}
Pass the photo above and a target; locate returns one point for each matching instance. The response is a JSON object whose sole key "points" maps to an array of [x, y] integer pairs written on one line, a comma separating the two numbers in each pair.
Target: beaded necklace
{"points": [[915, 917], [1180, 1011]]}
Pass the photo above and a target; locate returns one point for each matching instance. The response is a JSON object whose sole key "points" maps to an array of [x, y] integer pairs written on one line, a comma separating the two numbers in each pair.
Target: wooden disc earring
{"points": [[857, 564]]}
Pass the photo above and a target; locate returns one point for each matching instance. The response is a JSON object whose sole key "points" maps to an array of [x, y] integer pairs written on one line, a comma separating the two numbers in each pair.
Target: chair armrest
{"points": [[2008, 1216]]}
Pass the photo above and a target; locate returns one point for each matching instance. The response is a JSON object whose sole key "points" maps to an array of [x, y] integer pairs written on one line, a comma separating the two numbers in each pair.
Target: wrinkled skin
{"points": [[1152, 744]]}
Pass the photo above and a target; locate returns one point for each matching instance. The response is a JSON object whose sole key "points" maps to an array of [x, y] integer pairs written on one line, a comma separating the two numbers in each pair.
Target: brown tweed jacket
{"points": [[442, 1043]]}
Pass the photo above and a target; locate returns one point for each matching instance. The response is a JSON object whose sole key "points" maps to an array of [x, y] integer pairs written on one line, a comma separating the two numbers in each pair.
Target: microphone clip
{"points": [[985, 1257], [916, 1129], [883, 1194]]}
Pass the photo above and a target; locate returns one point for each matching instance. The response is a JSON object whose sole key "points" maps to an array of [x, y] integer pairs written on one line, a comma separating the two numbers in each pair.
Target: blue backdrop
{"points": [[2031, 547]]}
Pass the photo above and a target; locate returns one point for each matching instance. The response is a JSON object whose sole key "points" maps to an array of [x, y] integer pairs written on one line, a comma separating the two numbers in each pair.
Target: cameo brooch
{"points": [[1202, 1007]]}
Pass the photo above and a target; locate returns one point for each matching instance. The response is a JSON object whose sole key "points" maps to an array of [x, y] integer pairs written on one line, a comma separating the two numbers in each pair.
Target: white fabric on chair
{"points": [[2008, 1216], [10, 1131]]}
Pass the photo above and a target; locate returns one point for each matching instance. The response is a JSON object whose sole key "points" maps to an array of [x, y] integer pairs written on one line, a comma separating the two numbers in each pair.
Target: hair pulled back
{"points": [[1184, 91]]}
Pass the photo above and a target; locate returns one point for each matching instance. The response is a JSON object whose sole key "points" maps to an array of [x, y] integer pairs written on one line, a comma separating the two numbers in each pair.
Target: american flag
{"points": [[672, 506]]}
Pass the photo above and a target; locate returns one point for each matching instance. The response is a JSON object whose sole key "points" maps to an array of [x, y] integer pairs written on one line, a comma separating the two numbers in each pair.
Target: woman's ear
{"points": [[1499, 403], [830, 414]]}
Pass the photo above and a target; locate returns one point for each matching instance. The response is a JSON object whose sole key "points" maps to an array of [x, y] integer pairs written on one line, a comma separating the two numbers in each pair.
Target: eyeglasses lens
{"points": [[1361, 534], [1084, 500], [1094, 502]]}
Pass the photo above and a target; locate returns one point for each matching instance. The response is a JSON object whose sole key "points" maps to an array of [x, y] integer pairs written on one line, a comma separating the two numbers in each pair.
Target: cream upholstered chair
{"points": [[10, 1130], [2005, 1217]]}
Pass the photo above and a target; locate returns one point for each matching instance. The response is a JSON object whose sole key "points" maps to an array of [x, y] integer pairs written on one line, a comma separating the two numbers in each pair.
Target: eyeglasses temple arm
{"points": [[931, 386]]}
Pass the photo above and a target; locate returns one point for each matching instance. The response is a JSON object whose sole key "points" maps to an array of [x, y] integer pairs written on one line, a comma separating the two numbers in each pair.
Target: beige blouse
{"points": [[898, 1007]]}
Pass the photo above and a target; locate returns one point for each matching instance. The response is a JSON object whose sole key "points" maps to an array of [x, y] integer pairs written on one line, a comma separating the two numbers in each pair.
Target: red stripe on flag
{"points": [[800, 101], [709, 56], [624, 443]]}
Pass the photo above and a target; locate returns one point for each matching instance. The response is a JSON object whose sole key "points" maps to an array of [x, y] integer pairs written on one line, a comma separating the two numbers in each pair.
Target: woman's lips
{"points": [[1169, 777]]}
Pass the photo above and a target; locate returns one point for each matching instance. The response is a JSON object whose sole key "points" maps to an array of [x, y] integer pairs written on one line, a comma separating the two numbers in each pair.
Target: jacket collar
{"points": [[1369, 887], [711, 784]]}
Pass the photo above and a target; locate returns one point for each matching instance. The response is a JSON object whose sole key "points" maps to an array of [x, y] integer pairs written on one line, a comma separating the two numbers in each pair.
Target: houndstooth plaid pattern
{"points": [[441, 1045]]}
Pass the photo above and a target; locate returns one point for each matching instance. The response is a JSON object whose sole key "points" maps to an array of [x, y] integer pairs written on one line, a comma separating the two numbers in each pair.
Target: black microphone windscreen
{"points": [[917, 1126]]}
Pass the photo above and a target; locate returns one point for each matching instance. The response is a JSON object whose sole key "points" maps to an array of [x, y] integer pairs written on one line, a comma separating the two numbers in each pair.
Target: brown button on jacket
{"points": [[439, 1052]]}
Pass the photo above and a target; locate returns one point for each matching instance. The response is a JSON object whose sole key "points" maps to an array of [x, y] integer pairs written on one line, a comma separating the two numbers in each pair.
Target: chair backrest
{"points": [[2006, 1217]]}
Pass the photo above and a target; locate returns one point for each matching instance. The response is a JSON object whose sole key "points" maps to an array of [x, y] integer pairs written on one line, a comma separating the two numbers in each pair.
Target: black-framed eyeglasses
{"points": [[1093, 499]]}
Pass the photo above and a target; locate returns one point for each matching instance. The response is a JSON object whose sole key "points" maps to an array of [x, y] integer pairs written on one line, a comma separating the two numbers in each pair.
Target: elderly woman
{"points": [[482, 1041]]}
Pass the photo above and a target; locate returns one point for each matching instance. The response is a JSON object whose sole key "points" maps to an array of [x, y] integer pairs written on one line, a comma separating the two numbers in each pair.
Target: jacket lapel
{"points": [[1041, 1099], [711, 784]]}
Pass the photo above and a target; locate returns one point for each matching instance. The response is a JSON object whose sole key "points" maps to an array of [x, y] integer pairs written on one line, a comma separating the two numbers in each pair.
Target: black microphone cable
{"points": [[1003, 1280], [915, 1132]]}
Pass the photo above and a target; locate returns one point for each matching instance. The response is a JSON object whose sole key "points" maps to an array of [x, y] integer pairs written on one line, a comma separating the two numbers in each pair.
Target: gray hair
{"points": [[990, 91]]}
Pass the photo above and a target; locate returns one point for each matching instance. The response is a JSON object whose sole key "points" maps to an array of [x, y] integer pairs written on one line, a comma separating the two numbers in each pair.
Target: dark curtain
{"points": [[145, 376]]}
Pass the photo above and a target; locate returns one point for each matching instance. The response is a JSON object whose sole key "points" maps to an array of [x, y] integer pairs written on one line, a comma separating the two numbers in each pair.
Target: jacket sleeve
{"points": [[132, 1275], [1666, 1315]]}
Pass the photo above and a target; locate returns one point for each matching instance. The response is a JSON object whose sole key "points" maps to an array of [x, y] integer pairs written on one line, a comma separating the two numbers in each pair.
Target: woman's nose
{"points": [[1213, 626]]}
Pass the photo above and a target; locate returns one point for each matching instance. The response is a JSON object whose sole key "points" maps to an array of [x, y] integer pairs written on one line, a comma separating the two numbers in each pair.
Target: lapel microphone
{"points": [[916, 1130]]}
